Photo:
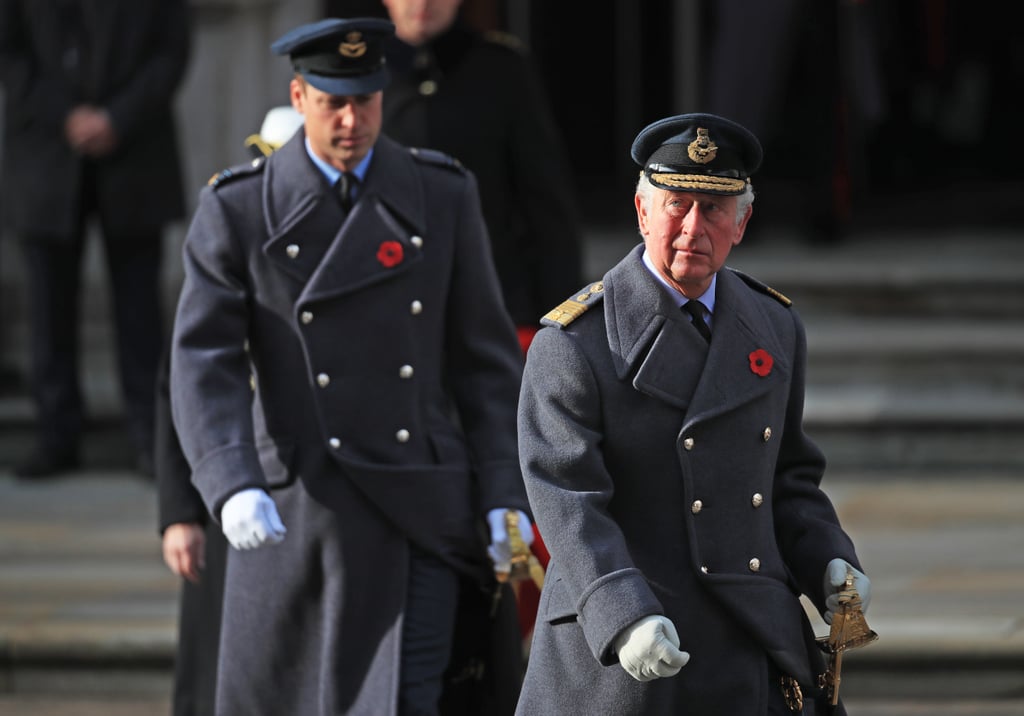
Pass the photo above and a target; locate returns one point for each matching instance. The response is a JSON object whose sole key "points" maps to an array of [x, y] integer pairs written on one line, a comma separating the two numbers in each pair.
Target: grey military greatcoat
{"points": [[365, 339], [669, 477]]}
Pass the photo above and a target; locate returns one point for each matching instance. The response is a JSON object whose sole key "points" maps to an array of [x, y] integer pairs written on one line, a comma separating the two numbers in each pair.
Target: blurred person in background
{"points": [[90, 135], [477, 97]]}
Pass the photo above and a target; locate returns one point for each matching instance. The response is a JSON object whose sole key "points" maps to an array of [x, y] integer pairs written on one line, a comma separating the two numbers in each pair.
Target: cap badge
{"points": [[702, 149], [353, 46]]}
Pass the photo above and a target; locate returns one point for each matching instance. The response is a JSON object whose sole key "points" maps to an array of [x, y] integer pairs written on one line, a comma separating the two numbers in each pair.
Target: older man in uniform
{"points": [[662, 445], [352, 278]]}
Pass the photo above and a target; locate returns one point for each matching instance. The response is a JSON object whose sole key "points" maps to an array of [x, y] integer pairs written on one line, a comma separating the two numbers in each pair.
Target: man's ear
{"points": [[641, 213], [297, 94], [742, 228]]}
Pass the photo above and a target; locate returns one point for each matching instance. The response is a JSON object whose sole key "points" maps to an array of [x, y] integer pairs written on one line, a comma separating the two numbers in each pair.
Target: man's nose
{"points": [[693, 222]]}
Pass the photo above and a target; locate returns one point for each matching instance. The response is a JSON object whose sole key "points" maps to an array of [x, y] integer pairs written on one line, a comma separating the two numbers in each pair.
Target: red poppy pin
{"points": [[389, 254], [761, 362]]}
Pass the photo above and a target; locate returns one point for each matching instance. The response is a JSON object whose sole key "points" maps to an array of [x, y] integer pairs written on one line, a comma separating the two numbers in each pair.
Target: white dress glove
{"points": [[649, 649], [500, 549], [835, 579], [249, 519]]}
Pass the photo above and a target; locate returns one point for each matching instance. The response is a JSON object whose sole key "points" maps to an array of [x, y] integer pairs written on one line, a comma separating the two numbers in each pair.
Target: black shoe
{"points": [[48, 464]]}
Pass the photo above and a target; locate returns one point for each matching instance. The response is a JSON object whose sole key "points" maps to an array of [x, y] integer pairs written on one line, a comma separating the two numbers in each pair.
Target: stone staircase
{"points": [[915, 349]]}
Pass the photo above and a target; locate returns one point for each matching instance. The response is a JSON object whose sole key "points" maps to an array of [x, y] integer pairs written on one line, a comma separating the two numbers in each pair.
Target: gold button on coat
{"points": [[416, 308], [704, 568], [688, 444], [755, 564], [292, 250], [402, 436], [323, 380], [767, 434], [428, 87], [757, 500], [334, 443], [405, 371], [417, 241], [306, 316], [696, 507]]}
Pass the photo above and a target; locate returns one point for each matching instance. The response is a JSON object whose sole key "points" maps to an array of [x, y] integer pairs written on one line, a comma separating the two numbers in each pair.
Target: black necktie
{"points": [[346, 187], [696, 310]]}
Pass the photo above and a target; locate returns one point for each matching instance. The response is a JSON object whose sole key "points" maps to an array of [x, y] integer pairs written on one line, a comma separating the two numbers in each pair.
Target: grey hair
{"points": [[743, 201]]}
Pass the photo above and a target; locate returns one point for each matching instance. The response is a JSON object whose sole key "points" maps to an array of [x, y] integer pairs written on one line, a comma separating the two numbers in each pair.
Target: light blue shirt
{"points": [[333, 173], [707, 298]]}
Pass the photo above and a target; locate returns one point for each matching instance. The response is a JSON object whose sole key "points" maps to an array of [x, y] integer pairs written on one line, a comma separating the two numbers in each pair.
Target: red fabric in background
{"points": [[526, 334], [527, 594]]}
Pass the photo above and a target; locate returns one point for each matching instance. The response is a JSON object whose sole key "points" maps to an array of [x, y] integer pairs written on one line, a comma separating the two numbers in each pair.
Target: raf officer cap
{"points": [[340, 57], [697, 152]]}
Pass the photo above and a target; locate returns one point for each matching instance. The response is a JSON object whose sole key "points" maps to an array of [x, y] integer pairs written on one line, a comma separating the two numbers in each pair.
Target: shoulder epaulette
{"points": [[231, 173], [437, 159], [575, 306], [764, 288], [505, 39]]}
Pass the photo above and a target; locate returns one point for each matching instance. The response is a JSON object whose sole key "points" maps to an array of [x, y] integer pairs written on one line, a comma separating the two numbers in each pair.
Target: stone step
{"points": [[872, 427], [954, 354], [961, 273]]}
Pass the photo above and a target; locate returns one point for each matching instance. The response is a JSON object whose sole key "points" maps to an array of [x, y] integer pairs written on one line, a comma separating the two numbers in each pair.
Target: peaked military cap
{"points": [[697, 152], [339, 56]]}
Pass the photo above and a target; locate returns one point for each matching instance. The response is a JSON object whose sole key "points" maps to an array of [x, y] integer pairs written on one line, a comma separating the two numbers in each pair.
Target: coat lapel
{"points": [[297, 214], [309, 238], [740, 328], [378, 241], [657, 346], [670, 361]]}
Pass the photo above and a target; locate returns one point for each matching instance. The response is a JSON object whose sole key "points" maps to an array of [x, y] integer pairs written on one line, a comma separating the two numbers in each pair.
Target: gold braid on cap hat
{"points": [[698, 182]]}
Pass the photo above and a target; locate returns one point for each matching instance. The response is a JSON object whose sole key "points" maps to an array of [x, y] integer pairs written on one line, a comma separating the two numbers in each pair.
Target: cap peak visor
{"points": [[342, 86]]}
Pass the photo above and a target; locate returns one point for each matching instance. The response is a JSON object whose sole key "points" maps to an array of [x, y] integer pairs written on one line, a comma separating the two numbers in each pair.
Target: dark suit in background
{"points": [[124, 59], [199, 606], [478, 98]]}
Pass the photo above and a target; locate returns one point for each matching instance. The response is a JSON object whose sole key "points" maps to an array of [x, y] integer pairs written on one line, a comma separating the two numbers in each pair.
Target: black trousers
{"points": [[427, 633], [195, 664], [54, 276]]}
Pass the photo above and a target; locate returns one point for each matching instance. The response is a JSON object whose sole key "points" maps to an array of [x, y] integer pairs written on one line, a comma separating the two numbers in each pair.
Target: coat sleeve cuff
{"points": [[223, 472], [611, 604]]}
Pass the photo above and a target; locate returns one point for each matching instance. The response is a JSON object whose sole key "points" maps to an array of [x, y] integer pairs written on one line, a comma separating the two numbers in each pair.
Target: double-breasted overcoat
{"points": [[672, 477], [387, 373]]}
